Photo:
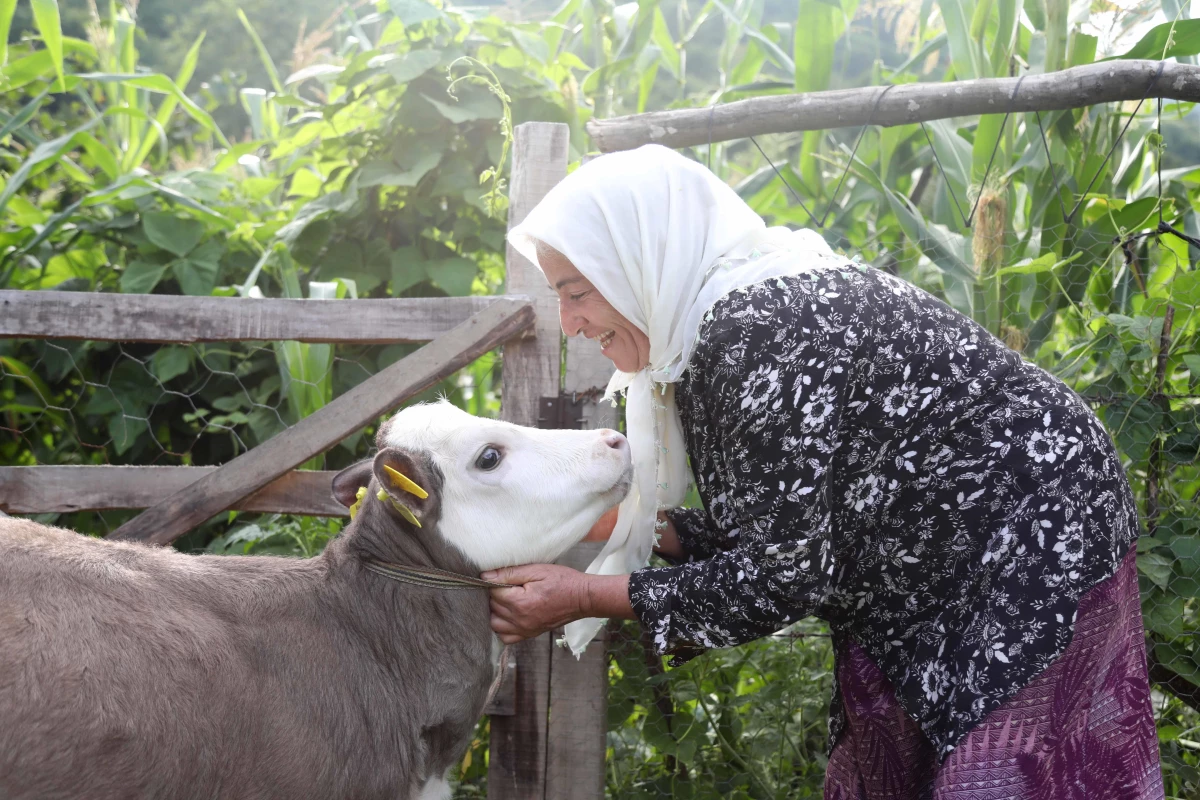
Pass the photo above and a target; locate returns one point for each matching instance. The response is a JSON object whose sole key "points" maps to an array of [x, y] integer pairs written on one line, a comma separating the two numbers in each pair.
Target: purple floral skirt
{"points": [[1084, 728]]}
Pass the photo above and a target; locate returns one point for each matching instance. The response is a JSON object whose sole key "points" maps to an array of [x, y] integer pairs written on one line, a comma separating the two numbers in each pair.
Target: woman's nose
{"points": [[571, 323]]}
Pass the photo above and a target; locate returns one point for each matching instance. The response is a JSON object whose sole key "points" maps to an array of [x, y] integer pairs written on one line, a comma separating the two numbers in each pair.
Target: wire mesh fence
{"points": [[1080, 252], [66, 402]]}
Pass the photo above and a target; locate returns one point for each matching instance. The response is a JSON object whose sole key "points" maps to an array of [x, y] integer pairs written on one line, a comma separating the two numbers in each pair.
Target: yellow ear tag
{"points": [[402, 509], [401, 481], [357, 505]]}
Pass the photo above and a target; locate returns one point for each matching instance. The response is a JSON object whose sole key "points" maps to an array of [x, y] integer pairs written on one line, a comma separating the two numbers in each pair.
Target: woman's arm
{"points": [[777, 390], [668, 544], [549, 596]]}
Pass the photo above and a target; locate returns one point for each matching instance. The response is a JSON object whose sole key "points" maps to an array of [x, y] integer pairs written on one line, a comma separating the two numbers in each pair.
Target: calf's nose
{"points": [[614, 440]]}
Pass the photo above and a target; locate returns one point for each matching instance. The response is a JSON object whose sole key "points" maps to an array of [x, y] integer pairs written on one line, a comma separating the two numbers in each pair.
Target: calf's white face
{"points": [[514, 495]]}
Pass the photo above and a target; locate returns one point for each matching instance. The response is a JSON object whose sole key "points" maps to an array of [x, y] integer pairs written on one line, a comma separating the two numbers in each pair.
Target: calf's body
{"points": [[126, 669], [129, 671]]}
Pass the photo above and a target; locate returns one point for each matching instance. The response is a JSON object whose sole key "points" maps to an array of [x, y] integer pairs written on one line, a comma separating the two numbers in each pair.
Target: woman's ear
{"points": [[347, 482]]}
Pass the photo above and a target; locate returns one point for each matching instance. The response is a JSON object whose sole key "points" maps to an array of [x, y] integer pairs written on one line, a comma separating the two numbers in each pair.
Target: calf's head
{"points": [[499, 494]]}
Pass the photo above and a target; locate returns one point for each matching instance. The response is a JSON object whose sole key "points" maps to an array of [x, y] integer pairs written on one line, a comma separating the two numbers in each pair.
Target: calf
{"points": [[129, 671]]}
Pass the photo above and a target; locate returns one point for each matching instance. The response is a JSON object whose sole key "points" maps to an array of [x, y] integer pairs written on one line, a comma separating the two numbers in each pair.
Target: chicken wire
{"points": [[65, 402], [750, 722]]}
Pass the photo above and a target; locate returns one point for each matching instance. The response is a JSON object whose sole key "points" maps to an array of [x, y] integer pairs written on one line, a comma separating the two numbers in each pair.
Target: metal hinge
{"points": [[564, 411]]}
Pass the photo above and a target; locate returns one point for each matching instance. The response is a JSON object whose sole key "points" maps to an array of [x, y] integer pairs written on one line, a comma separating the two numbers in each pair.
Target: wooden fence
{"points": [[548, 724], [261, 479], [533, 754]]}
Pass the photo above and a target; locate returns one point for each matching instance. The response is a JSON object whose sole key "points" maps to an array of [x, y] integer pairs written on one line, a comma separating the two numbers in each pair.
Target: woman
{"points": [[865, 455]]}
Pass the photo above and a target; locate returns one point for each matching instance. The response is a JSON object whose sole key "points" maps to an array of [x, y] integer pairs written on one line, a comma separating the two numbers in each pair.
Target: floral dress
{"points": [[871, 457]]}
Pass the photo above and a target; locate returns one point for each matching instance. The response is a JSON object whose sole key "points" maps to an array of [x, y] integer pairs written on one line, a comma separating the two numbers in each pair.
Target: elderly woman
{"points": [[865, 455]]}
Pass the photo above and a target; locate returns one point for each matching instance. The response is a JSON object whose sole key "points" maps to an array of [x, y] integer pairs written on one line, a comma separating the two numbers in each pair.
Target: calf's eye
{"points": [[489, 459]]}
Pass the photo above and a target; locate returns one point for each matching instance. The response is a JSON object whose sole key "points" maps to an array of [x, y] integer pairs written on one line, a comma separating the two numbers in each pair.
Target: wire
{"points": [[841, 180], [967, 220], [1120, 136]]}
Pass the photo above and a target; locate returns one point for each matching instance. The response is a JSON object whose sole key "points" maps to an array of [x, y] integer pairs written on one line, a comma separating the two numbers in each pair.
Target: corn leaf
{"points": [[988, 148], [780, 58], [103, 158], [156, 82], [45, 16], [167, 107], [7, 9], [41, 157], [126, 184], [965, 53], [24, 115], [662, 38], [263, 55], [1168, 40], [1006, 36], [818, 27]]}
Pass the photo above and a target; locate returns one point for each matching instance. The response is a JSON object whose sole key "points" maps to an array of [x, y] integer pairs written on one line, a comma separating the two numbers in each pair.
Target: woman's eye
{"points": [[489, 459], [578, 297]]}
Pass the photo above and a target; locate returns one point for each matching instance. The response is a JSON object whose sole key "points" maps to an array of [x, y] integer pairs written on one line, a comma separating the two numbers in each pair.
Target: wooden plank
{"points": [[578, 729], [44, 490], [170, 318], [517, 746], [1078, 87], [379, 394], [517, 760]]}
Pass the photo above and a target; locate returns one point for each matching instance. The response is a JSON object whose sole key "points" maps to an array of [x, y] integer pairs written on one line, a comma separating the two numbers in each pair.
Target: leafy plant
{"points": [[373, 166]]}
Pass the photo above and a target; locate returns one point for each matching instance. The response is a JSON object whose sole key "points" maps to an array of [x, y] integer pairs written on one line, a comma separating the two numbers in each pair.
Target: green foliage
{"points": [[303, 537], [743, 723], [364, 156]]}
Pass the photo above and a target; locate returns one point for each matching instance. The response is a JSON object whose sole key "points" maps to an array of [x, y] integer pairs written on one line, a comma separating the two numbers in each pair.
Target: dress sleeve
{"points": [[697, 534], [776, 391]]}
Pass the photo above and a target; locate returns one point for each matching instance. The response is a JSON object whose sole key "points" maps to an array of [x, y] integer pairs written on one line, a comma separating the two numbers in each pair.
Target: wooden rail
{"points": [[171, 318], [175, 515], [63, 490], [517, 762], [903, 104]]}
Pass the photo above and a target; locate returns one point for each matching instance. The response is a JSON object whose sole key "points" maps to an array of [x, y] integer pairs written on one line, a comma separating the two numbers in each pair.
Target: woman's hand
{"points": [[550, 596]]}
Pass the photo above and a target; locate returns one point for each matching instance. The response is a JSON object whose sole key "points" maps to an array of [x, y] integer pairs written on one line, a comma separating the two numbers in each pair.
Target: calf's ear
{"points": [[407, 479], [347, 482]]}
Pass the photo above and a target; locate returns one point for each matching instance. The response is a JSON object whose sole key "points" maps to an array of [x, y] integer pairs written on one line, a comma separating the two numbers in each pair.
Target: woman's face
{"points": [[583, 310]]}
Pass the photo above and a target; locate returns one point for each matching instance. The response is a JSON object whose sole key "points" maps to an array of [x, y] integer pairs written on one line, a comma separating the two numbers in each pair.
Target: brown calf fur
{"points": [[129, 671]]}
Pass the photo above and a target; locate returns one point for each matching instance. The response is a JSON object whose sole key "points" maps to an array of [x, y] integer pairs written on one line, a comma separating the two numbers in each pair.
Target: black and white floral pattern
{"points": [[869, 456]]}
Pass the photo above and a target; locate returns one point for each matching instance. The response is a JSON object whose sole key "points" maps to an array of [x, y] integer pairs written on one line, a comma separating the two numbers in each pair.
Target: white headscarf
{"points": [[662, 239]]}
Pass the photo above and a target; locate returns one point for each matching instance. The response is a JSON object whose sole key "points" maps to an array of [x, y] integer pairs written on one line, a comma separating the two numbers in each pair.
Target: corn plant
{"points": [[359, 175]]}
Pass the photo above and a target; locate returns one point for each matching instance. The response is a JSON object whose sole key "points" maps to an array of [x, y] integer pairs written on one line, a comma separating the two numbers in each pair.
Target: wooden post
{"points": [[578, 731], [532, 367]]}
